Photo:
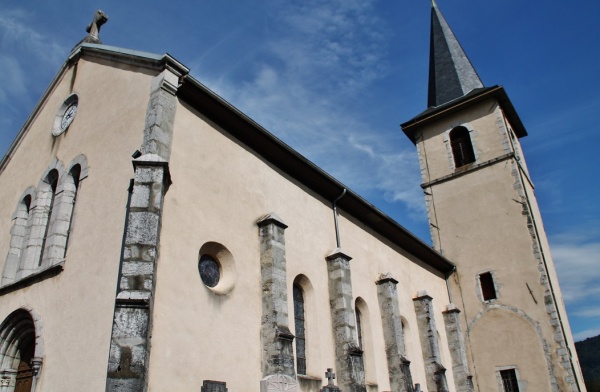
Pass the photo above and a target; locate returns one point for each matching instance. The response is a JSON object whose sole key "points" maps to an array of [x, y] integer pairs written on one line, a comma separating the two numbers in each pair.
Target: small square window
{"points": [[509, 380], [488, 289]]}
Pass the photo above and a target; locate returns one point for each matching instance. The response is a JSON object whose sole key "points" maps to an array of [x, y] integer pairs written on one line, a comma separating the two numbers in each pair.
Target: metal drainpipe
{"points": [[335, 219], [448, 284]]}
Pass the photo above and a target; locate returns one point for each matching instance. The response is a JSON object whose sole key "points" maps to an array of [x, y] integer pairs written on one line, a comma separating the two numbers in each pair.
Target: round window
{"points": [[217, 268], [65, 115], [210, 270]]}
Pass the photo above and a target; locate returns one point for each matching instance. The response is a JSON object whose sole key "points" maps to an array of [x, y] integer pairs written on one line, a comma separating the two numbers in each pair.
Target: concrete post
{"points": [[434, 370], [277, 350], [349, 361], [398, 364], [458, 351]]}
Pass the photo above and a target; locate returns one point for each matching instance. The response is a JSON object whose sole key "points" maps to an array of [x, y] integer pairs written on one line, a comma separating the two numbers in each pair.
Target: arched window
{"points": [[47, 208], [41, 212], [359, 332], [364, 336], [43, 221], [19, 232], [60, 218], [19, 362], [300, 329], [403, 325], [462, 148]]}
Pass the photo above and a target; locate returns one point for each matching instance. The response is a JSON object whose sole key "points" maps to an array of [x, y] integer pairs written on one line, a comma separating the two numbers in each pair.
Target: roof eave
{"points": [[126, 56], [258, 139], [280, 155]]}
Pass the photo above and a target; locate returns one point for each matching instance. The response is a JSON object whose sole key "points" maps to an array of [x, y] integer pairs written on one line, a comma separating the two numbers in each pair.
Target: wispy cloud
{"points": [[331, 46], [21, 45], [317, 61], [17, 28], [591, 312], [13, 84], [588, 333], [577, 266]]}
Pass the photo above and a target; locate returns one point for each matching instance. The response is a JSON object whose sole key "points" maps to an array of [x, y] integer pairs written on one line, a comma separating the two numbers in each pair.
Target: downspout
{"points": [[335, 219], [448, 283]]}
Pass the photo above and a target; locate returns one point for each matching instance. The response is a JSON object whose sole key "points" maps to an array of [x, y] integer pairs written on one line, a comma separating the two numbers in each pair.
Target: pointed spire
{"points": [[451, 74]]}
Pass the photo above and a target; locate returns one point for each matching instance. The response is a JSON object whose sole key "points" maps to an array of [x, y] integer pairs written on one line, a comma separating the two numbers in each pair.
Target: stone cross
{"points": [[94, 28], [330, 376], [279, 383]]}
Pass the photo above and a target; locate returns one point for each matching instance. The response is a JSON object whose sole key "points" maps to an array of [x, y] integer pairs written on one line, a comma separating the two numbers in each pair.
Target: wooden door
{"points": [[25, 370]]}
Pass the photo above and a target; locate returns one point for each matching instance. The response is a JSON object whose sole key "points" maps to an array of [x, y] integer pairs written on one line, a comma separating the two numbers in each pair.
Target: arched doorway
{"points": [[24, 379], [19, 366]]}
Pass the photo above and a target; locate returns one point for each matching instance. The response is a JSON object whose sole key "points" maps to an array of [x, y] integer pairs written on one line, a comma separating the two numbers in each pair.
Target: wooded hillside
{"points": [[589, 358]]}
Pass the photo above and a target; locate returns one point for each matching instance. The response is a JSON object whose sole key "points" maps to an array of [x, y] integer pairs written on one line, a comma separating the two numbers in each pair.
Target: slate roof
{"points": [[453, 82], [451, 74]]}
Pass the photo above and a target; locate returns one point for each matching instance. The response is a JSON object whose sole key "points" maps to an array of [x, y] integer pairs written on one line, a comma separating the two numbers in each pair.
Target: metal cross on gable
{"points": [[330, 376]]}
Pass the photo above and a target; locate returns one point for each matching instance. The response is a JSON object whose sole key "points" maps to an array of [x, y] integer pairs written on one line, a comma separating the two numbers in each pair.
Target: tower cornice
{"points": [[476, 96]]}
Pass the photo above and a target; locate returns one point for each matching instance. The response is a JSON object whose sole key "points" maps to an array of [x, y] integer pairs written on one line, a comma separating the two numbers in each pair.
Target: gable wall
{"points": [[76, 306]]}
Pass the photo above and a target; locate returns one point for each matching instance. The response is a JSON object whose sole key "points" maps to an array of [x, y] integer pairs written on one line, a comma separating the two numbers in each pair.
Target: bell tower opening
{"points": [[462, 148]]}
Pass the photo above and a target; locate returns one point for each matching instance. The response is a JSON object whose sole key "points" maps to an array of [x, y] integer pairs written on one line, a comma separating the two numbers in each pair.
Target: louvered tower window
{"points": [[462, 148]]}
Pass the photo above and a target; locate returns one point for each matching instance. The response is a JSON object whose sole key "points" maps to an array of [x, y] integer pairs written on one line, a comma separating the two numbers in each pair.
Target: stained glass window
{"points": [[209, 270]]}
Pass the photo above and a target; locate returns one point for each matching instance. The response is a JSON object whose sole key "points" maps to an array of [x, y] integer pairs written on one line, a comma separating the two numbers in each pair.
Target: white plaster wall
{"points": [[219, 191]]}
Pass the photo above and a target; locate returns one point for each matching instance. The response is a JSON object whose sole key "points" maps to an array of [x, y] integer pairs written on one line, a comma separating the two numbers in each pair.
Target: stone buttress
{"points": [[434, 370], [463, 380], [276, 338], [398, 363], [128, 361], [348, 356]]}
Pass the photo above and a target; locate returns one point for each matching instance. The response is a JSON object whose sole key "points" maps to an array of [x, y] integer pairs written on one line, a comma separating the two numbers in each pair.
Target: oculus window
{"points": [[210, 270]]}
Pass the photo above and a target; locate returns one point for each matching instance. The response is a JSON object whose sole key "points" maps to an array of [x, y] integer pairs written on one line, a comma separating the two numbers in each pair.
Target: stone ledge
{"points": [[35, 277], [468, 169], [385, 278], [271, 218], [337, 253]]}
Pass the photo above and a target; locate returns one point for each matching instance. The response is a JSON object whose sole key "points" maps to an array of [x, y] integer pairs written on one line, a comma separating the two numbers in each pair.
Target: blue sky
{"points": [[335, 78]]}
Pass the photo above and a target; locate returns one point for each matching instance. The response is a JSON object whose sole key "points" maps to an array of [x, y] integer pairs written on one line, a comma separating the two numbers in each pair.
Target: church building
{"points": [[155, 238]]}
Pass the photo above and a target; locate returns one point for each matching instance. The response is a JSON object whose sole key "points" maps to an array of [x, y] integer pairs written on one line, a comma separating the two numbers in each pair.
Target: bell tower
{"points": [[484, 217]]}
